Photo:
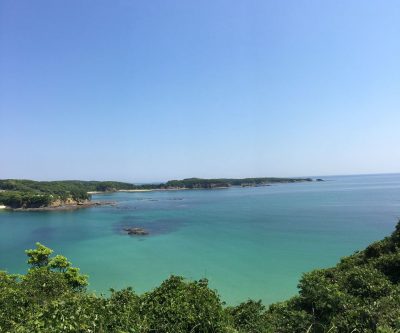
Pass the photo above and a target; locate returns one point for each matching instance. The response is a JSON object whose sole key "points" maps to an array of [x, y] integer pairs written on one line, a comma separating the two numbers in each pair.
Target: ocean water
{"points": [[249, 242]]}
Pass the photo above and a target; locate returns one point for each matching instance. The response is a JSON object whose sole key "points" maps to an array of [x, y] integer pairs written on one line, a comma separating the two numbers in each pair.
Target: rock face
{"points": [[136, 231], [67, 202]]}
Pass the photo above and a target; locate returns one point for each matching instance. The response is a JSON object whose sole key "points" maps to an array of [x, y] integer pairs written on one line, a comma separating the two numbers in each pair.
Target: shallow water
{"points": [[249, 242]]}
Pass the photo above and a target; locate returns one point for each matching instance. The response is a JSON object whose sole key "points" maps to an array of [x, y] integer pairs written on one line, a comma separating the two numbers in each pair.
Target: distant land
{"points": [[71, 194]]}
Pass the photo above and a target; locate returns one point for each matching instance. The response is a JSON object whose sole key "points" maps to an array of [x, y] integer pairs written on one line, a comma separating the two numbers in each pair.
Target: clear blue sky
{"points": [[155, 90]]}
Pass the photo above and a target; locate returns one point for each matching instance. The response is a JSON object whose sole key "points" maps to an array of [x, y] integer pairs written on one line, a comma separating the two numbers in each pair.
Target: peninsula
{"points": [[71, 194]]}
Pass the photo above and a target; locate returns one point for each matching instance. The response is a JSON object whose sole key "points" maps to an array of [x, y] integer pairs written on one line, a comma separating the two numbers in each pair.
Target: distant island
{"points": [[71, 194], [192, 183]]}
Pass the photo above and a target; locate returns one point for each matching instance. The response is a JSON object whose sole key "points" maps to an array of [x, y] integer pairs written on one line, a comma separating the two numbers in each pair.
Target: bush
{"points": [[249, 317], [179, 306]]}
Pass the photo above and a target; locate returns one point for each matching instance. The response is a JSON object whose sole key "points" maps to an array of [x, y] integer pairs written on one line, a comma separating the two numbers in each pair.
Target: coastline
{"points": [[181, 189], [166, 189], [28, 197], [65, 207], [141, 190], [104, 192], [144, 190]]}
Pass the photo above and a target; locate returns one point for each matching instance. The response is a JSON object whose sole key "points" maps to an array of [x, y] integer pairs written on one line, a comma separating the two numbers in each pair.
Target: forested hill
{"points": [[226, 182], [17, 193], [63, 186]]}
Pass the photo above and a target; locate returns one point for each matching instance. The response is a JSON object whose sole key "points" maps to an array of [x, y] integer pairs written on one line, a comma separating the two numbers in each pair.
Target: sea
{"points": [[250, 242]]}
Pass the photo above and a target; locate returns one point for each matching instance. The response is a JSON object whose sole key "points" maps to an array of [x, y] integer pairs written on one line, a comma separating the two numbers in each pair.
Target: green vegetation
{"points": [[16, 199], [226, 182], [33, 194], [62, 187], [360, 294], [17, 193]]}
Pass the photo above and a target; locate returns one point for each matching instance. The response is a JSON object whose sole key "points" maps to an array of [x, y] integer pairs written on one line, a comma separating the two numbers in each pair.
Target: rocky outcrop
{"points": [[67, 202], [136, 231], [69, 206]]}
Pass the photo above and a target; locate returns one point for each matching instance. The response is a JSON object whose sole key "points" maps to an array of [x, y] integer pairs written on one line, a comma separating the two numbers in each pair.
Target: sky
{"points": [[154, 90]]}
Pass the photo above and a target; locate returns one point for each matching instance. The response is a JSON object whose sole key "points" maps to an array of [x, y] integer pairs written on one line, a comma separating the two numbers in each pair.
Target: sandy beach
{"points": [[103, 192], [144, 190]]}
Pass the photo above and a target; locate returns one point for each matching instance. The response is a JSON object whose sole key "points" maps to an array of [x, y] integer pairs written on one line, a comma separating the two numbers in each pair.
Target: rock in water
{"points": [[136, 231]]}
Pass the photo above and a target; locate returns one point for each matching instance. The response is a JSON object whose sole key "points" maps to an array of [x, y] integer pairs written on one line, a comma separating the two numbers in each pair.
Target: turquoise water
{"points": [[249, 242]]}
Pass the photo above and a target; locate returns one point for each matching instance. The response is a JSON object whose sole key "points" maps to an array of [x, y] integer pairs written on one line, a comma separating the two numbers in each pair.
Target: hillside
{"points": [[20, 193]]}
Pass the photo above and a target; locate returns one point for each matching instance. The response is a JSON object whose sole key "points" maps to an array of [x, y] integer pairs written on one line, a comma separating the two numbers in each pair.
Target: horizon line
{"points": [[163, 181]]}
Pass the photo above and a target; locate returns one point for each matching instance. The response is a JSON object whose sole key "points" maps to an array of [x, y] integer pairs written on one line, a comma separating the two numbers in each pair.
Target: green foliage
{"points": [[16, 199], [288, 317], [249, 317], [39, 257], [33, 194], [70, 313], [76, 189], [122, 313], [389, 264], [366, 283], [179, 306], [321, 295], [59, 263], [360, 294], [74, 279], [226, 182], [40, 285]]}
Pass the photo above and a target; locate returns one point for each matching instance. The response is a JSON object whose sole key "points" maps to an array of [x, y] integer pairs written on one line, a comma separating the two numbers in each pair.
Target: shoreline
{"points": [[183, 188], [71, 204], [166, 189], [105, 192], [143, 190], [65, 207]]}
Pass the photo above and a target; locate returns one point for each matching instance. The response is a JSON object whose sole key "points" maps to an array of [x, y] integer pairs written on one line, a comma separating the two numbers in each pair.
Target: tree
{"points": [[39, 257]]}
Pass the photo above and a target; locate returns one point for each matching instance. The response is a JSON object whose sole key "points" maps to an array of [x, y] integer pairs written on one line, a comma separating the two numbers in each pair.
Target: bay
{"points": [[250, 242]]}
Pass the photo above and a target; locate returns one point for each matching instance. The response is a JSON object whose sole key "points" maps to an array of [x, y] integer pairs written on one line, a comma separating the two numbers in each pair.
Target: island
{"points": [[193, 183], [25, 194]]}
